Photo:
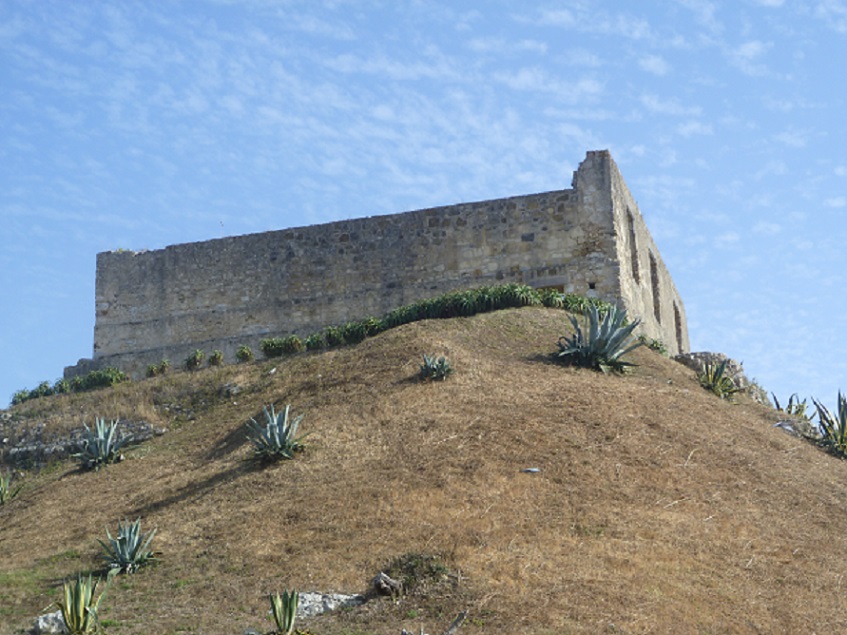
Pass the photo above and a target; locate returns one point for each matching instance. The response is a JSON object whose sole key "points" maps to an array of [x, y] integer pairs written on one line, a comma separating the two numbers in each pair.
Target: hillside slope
{"points": [[657, 507]]}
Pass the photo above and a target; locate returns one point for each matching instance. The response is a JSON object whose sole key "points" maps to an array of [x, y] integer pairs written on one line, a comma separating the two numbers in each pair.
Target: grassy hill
{"points": [[657, 507]]}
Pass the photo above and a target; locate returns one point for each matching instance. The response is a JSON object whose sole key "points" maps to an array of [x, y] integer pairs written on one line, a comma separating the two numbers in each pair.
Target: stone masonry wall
{"points": [[223, 293]]}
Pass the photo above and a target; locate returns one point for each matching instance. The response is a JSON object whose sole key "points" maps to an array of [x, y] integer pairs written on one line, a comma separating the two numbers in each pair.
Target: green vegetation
{"points": [[794, 407], [7, 492], [102, 445], [833, 427], [434, 368], [608, 339], [654, 344], [453, 304], [715, 379], [278, 439], [79, 608], [278, 346], [129, 548], [162, 368], [103, 378], [244, 354], [284, 611], [195, 360]]}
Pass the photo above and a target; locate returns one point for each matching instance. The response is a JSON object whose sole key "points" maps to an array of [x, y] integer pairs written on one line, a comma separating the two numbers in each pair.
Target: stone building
{"points": [[219, 294]]}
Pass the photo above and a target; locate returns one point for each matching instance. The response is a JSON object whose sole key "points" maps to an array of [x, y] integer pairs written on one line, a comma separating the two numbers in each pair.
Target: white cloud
{"points": [[775, 168], [694, 128], [656, 104], [748, 55], [836, 202], [728, 238], [500, 45], [791, 138], [654, 64], [833, 13], [840, 170], [582, 57], [765, 227], [770, 3]]}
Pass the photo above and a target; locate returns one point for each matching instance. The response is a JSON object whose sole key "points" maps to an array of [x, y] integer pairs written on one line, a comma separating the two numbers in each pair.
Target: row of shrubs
{"points": [[102, 378], [448, 305]]}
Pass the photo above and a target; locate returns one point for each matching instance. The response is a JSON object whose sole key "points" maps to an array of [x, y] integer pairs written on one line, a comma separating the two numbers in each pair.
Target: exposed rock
{"points": [[316, 603], [698, 362], [49, 623], [32, 446]]}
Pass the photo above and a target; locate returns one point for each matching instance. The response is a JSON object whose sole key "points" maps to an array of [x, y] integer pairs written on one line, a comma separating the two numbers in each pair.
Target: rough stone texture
{"points": [[50, 623], [28, 446], [316, 603], [698, 361], [219, 294]]}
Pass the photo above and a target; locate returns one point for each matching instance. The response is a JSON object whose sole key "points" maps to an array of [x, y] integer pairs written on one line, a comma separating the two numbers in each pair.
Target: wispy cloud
{"points": [[833, 13], [836, 202], [767, 227], [747, 57], [691, 128], [792, 138], [671, 106], [654, 64]]}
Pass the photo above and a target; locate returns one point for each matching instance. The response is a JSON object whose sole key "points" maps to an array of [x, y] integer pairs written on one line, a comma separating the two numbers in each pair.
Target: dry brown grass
{"points": [[658, 508]]}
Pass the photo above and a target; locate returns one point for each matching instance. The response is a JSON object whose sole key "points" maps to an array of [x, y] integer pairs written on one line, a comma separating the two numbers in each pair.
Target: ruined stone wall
{"points": [[220, 294], [647, 289]]}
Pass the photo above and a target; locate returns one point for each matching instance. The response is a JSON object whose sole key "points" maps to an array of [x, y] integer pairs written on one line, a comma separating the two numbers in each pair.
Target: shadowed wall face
{"points": [[223, 293]]}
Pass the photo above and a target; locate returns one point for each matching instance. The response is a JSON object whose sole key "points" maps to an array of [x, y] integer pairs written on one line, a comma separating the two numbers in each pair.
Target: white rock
{"points": [[50, 623]]}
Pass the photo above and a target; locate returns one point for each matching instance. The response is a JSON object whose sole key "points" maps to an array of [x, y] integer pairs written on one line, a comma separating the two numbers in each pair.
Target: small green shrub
{"points": [[552, 298], [278, 346], [284, 611], [61, 387], [833, 426], [794, 407], [244, 354], [434, 368], [715, 379], [278, 439], [195, 360], [102, 378], [216, 358], [315, 342], [102, 445], [162, 368], [7, 492], [128, 549], [601, 348], [653, 344], [333, 336], [79, 607], [582, 304]]}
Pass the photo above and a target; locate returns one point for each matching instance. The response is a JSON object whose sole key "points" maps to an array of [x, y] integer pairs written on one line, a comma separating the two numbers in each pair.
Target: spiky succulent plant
{"points": [[715, 378], [129, 549], [435, 367], [284, 611], [278, 438], [833, 426], [79, 607], [102, 445], [602, 347]]}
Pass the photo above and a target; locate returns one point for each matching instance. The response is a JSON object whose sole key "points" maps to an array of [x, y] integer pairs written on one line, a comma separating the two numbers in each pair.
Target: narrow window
{"points": [[654, 278], [677, 320], [633, 247]]}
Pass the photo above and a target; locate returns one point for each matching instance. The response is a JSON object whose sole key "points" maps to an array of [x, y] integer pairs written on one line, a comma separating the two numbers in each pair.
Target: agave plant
{"points": [[284, 611], [278, 439], [715, 379], [129, 549], [101, 445], [7, 492], [435, 367], [833, 427], [793, 407], [79, 607], [608, 339]]}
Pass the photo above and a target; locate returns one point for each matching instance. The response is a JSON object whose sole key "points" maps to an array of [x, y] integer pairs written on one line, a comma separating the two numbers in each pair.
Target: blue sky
{"points": [[138, 125]]}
